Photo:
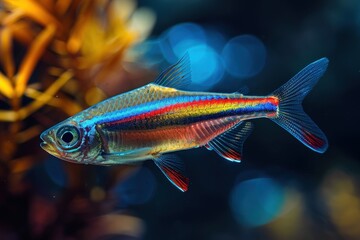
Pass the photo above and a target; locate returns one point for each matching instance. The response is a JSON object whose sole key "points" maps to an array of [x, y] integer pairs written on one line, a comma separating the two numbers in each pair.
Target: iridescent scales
{"points": [[156, 119]]}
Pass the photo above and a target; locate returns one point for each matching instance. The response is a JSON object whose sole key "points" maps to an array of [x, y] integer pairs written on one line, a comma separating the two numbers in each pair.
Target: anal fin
{"points": [[173, 169], [229, 145]]}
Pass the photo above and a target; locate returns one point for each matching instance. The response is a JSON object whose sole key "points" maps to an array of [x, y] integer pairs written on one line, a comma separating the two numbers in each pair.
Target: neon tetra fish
{"points": [[156, 119]]}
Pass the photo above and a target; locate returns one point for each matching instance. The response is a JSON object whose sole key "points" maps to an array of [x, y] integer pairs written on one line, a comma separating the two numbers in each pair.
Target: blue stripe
{"points": [[148, 107]]}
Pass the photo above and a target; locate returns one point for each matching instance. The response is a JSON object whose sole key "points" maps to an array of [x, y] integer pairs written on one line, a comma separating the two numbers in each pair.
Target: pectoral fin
{"points": [[229, 145], [173, 169]]}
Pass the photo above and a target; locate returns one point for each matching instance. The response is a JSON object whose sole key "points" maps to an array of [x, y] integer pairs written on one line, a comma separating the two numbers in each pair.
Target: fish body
{"points": [[158, 118], [173, 120]]}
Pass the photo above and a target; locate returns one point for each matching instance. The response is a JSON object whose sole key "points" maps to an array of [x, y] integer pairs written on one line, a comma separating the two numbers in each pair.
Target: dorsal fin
{"points": [[176, 76], [173, 169], [229, 145]]}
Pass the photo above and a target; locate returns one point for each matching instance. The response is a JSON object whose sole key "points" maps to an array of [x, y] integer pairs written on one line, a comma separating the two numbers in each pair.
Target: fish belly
{"points": [[168, 138]]}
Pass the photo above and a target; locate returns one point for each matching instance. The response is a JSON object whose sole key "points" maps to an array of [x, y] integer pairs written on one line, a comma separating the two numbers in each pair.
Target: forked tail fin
{"points": [[291, 115]]}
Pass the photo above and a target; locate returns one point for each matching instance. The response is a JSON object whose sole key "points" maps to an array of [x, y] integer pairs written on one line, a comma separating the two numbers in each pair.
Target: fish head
{"points": [[72, 141]]}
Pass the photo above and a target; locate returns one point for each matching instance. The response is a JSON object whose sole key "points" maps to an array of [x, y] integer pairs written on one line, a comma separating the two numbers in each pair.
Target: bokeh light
{"points": [[210, 55], [178, 39], [215, 39], [293, 218], [137, 189], [340, 192], [244, 56], [97, 194], [151, 52], [256, 201], [206, 65]]}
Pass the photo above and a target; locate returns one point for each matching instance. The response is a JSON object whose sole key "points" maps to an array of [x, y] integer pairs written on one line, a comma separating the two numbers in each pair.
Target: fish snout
{"points": [[47, 143]]}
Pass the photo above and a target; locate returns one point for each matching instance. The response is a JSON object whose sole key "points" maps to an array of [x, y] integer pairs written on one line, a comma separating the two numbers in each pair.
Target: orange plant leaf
{"points": [[63, 103], [62, 6], [77, 32], [13, 17], [34, 10], [21, 114], [6, 88], [21, 164], [28, 134], [6, 51], [31, 58], [22, 32]]}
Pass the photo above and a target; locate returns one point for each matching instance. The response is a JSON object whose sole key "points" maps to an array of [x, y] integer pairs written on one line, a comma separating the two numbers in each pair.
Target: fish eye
{"points": [[68, 137]]}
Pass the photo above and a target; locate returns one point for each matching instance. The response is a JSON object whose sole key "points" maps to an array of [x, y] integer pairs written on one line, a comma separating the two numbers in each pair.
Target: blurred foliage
{"points": [[57, 58]]}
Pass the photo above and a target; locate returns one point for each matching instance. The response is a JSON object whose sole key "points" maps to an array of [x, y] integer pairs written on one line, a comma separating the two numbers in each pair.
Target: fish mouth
{"points": [[45, 143], [46, 147], [48, 144]]}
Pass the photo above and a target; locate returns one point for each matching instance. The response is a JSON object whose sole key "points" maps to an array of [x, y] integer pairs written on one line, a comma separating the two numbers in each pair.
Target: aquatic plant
{"points": [[58, 54], [57, 58]]}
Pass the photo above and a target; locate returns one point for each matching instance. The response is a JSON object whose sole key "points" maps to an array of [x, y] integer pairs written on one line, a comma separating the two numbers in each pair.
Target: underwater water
{"points": [[60, 58]]}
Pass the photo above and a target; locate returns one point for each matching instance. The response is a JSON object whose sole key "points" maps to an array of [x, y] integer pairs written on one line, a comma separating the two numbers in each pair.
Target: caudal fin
{"points": [[291, 115]]}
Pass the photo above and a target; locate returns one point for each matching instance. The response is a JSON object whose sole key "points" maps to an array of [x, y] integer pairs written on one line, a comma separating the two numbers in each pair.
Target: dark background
{"points": [[280, 190], [294, 33]]}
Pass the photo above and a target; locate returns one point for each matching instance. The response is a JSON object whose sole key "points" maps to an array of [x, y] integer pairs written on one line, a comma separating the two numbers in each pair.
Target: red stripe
{"points": [[240, 101]]}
